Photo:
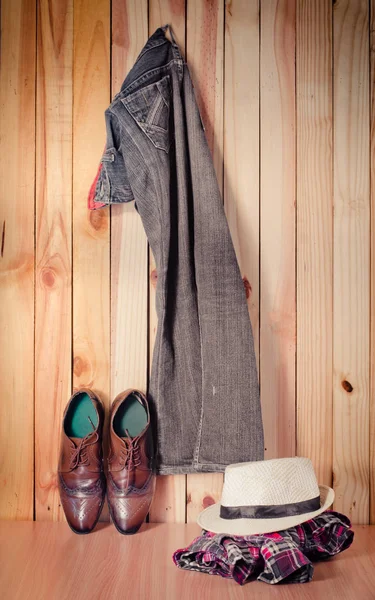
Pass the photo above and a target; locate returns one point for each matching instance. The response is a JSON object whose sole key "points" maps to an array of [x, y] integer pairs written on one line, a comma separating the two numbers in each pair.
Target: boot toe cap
{"points": [[82, 513], [128, 513]]}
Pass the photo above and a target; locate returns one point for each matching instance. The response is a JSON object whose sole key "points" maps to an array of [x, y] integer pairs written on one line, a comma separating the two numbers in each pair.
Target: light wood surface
{"points": [[295, 159], [372, 262], [314, 235], [205, 57], [128, 239], [277, 234], [91, 247], [169, 504], [241, 139], [91, 260], [53, 278], [17, 180], [173, 12], [47, 560], [351, 317]]}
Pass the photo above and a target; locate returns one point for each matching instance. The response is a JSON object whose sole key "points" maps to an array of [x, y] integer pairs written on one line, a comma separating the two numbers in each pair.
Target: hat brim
{"points": [[210, 519]]}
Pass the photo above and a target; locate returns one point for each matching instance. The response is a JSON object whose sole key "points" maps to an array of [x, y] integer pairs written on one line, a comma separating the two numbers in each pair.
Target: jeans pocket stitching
{"points": [[161, 138]]}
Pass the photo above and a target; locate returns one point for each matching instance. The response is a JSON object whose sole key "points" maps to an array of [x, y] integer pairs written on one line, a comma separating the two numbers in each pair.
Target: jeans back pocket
{"points": [[150, 108]]}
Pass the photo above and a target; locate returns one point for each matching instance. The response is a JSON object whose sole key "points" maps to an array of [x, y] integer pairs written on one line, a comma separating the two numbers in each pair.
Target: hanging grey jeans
{"points": [[203, 391]]}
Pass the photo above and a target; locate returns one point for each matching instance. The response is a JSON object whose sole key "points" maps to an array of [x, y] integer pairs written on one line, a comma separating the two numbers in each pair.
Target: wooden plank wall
{"points": [[17, 256], [314, 230], [286, 92], [53, 243], [351, 270]]}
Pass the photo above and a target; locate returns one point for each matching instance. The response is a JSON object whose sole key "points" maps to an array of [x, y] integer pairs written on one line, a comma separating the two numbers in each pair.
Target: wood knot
{"points": [[154, 277], [347, 386], [79, 366], [48, 277], [247, 286], [98, 219], [208, 501]]}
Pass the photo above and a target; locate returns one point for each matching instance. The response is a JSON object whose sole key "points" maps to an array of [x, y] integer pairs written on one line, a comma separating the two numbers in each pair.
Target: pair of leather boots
{"points": [[130, 482]]}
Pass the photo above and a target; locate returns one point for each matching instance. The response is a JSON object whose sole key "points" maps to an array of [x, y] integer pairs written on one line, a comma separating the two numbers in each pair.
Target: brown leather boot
{"points": [[131, 482], [81, 477]]}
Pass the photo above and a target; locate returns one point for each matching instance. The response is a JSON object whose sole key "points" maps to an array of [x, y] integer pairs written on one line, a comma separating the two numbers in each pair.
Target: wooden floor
{"points": [[47, 561]]}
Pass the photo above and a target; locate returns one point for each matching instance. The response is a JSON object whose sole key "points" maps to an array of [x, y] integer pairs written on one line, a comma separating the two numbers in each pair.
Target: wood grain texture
{"points": [[55, 564], [372, 263], [128, 301], [129, 34], [277, 235], [203, 489], [314, 235], [91, 249], [205, 57], [90, 228], [53, 327], [169, 504], [17, 179], [351, 319], [241, 139], [162, 12], [128, 241]]}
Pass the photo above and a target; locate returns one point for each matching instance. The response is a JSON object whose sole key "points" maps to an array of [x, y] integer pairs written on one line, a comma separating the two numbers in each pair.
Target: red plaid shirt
{"points": [[271, 557]]}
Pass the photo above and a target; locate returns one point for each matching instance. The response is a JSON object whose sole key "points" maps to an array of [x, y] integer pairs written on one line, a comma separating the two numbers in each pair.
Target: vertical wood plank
{"points": [[162, 12], [129, 34], [205, 57], [241, 145], [372, 311], [169, 504], [129, 261], [314, 235], [53, 327], [17, 179], [277, 206], [91, 91], [351, 324], [91, 88]]}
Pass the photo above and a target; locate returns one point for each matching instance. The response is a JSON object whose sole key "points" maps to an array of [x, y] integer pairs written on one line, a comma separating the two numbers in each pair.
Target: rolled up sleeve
{"points": [[111, 184]]}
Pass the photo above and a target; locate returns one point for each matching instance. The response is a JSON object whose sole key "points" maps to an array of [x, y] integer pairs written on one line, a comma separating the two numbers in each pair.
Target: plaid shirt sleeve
{"points": [[284, 556]]}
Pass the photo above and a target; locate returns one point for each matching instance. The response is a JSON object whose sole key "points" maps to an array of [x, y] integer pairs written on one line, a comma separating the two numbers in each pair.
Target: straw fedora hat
{"points": [[266, 496]]}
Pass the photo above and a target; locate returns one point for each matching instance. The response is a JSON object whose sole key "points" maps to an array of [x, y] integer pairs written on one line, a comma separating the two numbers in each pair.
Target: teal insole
{"points": [[131, 416], [77, 420]]}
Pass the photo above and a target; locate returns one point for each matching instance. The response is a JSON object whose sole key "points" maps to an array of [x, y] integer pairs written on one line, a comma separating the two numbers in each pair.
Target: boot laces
{"points": [[79, 456], [130, 452]]}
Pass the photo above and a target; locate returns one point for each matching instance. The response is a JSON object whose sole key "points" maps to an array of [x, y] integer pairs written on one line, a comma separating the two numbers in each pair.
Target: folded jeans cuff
{"points": [[110, 185]]}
